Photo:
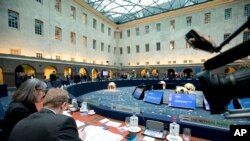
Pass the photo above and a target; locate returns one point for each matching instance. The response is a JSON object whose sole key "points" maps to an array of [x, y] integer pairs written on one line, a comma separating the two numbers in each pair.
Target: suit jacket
{"points": [[16, 111], [45, 125]]}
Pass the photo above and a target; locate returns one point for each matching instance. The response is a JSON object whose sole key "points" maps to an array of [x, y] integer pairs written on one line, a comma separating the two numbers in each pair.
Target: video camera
{"points": [[217, 89]]}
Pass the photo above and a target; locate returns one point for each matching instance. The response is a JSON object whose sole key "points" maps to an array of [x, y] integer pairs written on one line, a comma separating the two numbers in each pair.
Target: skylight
{"points": [[121, 11]]}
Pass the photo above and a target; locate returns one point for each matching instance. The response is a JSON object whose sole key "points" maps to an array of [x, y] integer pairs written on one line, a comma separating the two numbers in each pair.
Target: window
{"points": [[158, 63], [246, 36], [58, 57], [228, 13], [174, 62], [84, 41], [184, 61], [158, 27], [114, 50], [102, 46], [169, 62], [121, 35], [58, 4], [137, 30], [137, 63], [226, 35], [147, 29], [15, 51], [203, 60], [94, 44], [247, 10], [13, 19], [58, 33], [128, 33], [158, 46], [172, 24], [207, 18], [129, 63], [109, 31], [102, 28], [128, 49], [73, 37], [72, 59], [40, 1], [172, 45], [73, 12], [190, 61], [147, 63], [84, 18], [147, 47], [189, 20], [38, 27], [137, 48], [39, 55], [120, 50], [94, 23], [109, 48]]}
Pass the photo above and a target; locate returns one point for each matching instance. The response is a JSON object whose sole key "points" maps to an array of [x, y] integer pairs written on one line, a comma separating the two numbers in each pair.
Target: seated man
{"points": [[49, 123]]}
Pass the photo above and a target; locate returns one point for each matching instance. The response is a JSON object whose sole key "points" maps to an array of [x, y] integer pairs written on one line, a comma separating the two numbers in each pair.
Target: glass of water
{"points": [[127, 122], [186, 134]]}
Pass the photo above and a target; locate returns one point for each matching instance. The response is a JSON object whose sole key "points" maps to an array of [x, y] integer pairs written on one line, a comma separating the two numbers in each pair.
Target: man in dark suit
{"points": [[53, 76], [49, 123]]}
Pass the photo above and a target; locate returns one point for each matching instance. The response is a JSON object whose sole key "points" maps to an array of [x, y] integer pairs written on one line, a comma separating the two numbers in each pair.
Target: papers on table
{"points": [[79, 123], [104, 120], [110, 123], [113, 123], [146, 138], [96, 133], [66, 113]]}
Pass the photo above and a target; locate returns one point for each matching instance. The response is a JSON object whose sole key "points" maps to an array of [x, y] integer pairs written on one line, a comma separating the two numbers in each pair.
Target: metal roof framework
{"points": [[122, 11]]}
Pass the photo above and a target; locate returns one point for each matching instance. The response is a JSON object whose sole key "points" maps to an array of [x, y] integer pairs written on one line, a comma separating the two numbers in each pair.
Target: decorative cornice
{"points": [[34, 59]]}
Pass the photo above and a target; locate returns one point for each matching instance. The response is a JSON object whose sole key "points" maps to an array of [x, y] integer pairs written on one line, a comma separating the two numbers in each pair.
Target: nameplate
{"points": [[205, 121], [126, 109], [182, 100], [94, 102]]}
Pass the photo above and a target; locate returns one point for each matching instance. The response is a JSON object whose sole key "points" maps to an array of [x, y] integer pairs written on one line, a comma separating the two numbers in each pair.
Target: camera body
{"points": [[220, 90]]}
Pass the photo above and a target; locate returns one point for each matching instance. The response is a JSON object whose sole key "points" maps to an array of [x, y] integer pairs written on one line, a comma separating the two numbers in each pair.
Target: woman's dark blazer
{"points": [[16, 112]]}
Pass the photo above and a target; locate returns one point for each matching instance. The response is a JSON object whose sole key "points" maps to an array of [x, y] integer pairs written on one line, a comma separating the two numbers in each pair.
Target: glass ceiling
{"points": [[121, 11]]}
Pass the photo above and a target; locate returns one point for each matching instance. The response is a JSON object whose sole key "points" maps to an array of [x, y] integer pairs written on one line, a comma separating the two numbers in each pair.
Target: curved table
{"points": [[198, 130]]}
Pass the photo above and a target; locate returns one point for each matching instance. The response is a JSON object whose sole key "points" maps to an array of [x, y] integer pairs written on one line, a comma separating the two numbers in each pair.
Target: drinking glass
{"points": [[127, 121], [186, 134]]}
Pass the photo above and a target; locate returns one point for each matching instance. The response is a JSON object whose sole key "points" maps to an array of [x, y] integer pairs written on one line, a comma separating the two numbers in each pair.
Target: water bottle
{"points": [[174, 129], [74, 103], [134, 122], [84, 106]]}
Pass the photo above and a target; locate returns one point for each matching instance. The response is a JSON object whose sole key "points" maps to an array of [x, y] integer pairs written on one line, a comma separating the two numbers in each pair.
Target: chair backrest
{"points": [[1, 111], [155, 125]]}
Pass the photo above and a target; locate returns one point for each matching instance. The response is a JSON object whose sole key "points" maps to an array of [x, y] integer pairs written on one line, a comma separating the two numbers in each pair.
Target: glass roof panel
{"points": [[121, 11]]}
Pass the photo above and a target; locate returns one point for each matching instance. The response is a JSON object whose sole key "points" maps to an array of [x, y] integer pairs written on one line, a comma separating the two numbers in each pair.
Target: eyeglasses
{"points": [[44, 90]]}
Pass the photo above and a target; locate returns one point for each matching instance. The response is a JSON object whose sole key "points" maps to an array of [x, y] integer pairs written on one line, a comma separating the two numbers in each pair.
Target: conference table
{"points": [[95, 119]]}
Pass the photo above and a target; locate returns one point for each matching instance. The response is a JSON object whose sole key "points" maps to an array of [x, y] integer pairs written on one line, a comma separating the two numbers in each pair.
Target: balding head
{"points": [[55, 98]]}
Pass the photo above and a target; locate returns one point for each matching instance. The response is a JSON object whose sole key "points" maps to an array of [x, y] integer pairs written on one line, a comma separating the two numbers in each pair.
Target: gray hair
{"points": [[26, 91]]}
